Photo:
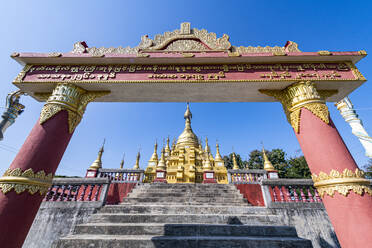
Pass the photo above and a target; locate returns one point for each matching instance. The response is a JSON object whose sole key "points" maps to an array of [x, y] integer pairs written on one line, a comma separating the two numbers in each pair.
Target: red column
{"points": [[42, 151], [346, 193], [25, 182], [324, 151]]}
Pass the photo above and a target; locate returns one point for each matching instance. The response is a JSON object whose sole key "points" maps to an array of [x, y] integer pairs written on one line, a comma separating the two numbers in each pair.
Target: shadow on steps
{"points": [[233, 235]]}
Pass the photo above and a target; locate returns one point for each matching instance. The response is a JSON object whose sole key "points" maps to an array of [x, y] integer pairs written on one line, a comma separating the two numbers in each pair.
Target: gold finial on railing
{"points": [[136, 166], [97, 164], [122, 162], [268, 166]]}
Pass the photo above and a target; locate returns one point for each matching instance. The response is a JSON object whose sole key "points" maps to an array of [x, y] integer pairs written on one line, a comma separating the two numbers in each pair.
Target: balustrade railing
{"points": [[246, 176], [121, 175], [292, 190], [77, 189]]}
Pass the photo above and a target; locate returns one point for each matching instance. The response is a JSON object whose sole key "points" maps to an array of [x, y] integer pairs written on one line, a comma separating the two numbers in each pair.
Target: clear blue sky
{"points": [[47, 26]]}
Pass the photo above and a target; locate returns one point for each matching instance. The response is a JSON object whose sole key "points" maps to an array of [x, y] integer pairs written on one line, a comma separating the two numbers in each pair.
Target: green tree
{"points": [[298, 168], [229, 161], [295, 167], [276, 157], [255, 160], [368, 169]]}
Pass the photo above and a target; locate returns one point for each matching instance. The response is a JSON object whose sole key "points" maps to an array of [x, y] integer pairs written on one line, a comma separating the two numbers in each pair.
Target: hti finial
{"points": [[136, 166], [188, 114], [103, 145], [235, 163], [122, 162], [267, 164], [97, 164]]}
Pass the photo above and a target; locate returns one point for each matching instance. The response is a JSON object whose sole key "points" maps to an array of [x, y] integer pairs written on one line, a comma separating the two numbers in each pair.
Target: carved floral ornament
{"points": [[70, 98], [184, 39], [302, 95], [20, 181], [342, 182]]}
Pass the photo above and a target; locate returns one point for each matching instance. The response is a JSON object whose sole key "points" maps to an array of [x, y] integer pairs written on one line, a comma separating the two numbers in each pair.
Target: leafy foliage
{"points": [[298, 168], [229, 161], [368, 169], [295, 167]]}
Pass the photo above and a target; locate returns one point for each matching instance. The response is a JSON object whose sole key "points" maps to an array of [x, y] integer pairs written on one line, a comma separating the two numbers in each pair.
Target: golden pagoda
{"points": [[97, 164], [122, 162], [268, 166], [136, 165], [186, 161]]}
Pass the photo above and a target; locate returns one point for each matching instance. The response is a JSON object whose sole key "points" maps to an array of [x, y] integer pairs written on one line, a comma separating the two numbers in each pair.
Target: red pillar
{"points": [[324, 151], [24, 183], [346, 193], [42, 151]]}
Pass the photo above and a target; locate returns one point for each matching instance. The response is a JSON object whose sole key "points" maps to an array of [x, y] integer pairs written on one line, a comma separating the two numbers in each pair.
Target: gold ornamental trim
{"points": [[15, 54], [357, 74], [302, 95], [54, 55], [343, 182], [22, 74], [324, 53], [177, 81], [70, 98], [20, 181], [184, 39]]}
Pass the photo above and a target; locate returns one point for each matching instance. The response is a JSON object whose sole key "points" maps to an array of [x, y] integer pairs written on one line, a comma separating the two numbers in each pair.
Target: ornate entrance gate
{"points": [[190, 65]]}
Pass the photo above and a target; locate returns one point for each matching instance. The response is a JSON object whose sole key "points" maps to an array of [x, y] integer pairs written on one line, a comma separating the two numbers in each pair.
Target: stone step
{"points": [[186, 200], [130, 241], [182, 194], [190, 185], [184, 209], [253, 219], [241, 204], [185, 187], [157, 229]]}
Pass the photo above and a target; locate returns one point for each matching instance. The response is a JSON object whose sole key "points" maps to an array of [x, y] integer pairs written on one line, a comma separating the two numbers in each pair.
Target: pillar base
{"points": [[272, 174], [208, 177], [161, 176], [91, 173]]}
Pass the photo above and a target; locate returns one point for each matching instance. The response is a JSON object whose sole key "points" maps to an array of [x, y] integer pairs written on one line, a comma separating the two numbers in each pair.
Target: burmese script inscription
{"points": [[197, 73]]}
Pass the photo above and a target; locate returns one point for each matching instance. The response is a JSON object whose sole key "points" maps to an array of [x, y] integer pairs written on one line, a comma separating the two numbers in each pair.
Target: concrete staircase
{"points": [[183, 215]]}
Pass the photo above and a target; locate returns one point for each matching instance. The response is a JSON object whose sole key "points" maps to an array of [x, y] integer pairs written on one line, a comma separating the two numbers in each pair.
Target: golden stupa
{"points": [[186, 161]]}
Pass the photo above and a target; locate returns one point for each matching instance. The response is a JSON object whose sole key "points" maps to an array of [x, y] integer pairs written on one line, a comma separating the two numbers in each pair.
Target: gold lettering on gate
{"points": [[279, 71]]}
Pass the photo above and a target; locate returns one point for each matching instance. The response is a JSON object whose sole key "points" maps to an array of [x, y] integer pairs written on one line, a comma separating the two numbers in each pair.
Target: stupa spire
{"points": [[136, 166], [267, 164], [207, 162], [174, 144], [218, 156], [188, 137], [188, 114], [167, 148], [207, 149], [154, 156], [161, 164], [97, 164], [235, 163], [122, 162]]}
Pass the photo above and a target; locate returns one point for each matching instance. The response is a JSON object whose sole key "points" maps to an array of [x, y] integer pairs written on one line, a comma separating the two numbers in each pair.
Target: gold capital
{"points": [[71, 98], [302, 95], [342, 182], [25, 180]]}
